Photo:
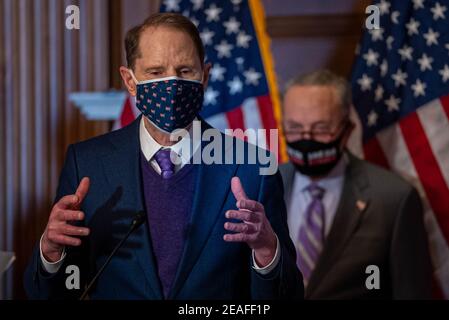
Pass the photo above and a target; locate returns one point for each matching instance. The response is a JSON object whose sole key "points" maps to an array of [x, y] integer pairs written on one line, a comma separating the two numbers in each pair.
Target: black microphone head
{"points": [[139, 219]]}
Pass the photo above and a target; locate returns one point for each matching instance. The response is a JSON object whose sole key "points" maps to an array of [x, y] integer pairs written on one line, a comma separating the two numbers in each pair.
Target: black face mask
{"points": [[313, 158]]}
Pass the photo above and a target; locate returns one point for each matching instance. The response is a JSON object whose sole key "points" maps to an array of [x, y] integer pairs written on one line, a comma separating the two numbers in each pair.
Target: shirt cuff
{"points": [[51, 267], [273, 264]]}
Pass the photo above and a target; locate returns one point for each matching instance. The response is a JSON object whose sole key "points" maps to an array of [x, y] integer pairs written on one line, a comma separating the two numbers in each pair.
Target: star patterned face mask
{"points": [[169, 103]]}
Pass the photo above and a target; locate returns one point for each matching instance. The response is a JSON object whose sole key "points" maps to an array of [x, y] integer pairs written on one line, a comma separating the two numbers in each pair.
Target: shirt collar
{"points": [[334, 179], [149, 146]]}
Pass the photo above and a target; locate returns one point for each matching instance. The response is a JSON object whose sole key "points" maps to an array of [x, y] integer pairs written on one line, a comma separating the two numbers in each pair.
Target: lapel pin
{"points": [[361, 205]]}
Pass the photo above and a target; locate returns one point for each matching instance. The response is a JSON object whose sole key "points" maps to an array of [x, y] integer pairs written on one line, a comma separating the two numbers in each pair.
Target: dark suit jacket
{"points": [[388, 233], [210, 268]]}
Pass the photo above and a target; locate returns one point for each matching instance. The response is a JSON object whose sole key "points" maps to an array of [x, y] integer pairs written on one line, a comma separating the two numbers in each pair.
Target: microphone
{"points": [[138, 220]]}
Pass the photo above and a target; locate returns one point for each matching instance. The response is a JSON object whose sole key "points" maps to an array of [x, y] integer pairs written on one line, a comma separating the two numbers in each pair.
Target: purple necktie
{"points": [[311, 233], [162, 158]]}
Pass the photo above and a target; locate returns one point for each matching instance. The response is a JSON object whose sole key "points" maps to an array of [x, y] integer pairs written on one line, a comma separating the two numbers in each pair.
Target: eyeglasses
{"points": [[319, 133]]}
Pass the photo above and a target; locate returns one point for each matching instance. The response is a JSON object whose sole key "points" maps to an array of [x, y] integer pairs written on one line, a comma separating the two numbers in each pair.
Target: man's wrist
{"points": [[51, 267], [52, 256], [264, 256], [272, 265]]}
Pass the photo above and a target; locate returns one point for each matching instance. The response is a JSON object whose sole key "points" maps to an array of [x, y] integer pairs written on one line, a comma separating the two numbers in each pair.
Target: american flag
{"points": [[400, 84], [242, 92]]}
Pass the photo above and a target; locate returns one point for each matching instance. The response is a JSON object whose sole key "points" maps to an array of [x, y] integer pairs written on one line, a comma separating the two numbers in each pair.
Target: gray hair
{"points": [[325, 78]]}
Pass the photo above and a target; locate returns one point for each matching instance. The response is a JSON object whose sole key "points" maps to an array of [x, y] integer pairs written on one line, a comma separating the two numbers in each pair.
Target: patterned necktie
{"points": [[311, 233], [162, 158]]}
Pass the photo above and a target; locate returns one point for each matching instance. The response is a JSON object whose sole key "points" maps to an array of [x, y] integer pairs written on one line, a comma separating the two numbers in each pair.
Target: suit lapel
{"points": [[354, 201], [126, 155], [212, 187]]}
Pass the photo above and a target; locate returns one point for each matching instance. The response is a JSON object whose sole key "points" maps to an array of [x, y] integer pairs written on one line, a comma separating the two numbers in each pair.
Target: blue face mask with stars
{"points": [[169, 103]]}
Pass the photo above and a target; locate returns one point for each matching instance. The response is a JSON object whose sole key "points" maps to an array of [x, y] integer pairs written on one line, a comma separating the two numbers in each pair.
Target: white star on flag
{"points": [[217, 73], [444, 73], [425, 63], [372, 118], [418, 4], [213, 13], [384, 7], [419, 88], [235, 85], [394, 17], [378, 93], [252, 77], [399, 78], [384, 68], [392, 103], [243, 40], [210, 96], [197, 4], [412, 27], [371, 58], [377, 34], [438, 11], [232, 26], [206, 36], [365, 82], [390, 41], [172, 5], [240, 61], [224, 49], [406, 53], [431, 37]]}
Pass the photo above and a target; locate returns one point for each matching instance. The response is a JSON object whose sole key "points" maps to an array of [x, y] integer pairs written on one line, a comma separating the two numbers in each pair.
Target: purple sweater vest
{"points": [[168, 204]]}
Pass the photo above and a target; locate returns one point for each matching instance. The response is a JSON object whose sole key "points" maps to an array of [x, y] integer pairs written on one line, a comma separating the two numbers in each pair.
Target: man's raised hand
{"points": [[255, 229], [59, 232]]}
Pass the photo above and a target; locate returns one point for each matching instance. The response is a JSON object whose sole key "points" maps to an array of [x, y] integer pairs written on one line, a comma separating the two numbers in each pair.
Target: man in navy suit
{"points": [[213, 231]]}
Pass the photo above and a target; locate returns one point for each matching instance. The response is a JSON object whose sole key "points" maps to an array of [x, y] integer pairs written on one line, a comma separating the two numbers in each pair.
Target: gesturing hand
{"points": [[59, 232], [255, 229]]}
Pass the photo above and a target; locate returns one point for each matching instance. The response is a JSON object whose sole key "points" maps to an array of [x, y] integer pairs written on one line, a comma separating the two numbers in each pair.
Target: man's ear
{"points": [[128, 81], [206, 72]]}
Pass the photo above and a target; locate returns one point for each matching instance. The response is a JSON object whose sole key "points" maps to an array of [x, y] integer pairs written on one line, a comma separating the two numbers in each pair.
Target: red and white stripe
{"points": [[128, 115], [417, 148]]}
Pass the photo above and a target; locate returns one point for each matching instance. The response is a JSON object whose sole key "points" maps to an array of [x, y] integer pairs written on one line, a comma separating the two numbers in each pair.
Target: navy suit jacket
{"points": [[210, 268]]}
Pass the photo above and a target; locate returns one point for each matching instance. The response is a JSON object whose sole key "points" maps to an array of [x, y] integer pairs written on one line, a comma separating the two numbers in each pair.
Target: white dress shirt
{"points": [[183, 150], [300, 198], [149, 147]]}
